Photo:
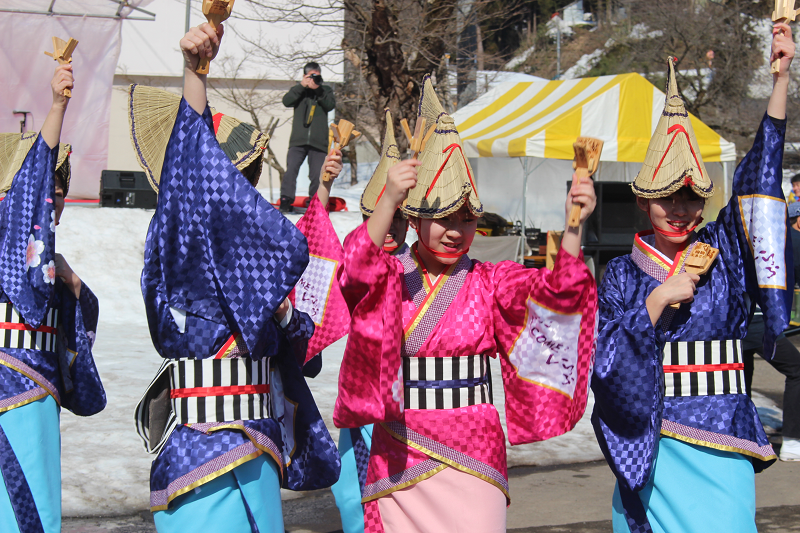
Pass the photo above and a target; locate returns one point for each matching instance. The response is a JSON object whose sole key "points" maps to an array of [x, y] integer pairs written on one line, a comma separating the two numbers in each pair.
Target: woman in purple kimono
{"points": [[48, 320], [672, 415]]}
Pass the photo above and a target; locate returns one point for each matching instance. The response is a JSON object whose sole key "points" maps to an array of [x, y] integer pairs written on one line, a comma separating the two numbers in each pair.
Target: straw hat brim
{"points": [[241, 142], [14, 147], [151, 115], [63, 164]]}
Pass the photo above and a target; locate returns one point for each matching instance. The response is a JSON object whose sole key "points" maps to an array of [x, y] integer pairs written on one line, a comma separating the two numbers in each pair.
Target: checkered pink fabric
{"points": [[370, 377], [321, 296], [535, 412], [372, 518], [486, 317]]}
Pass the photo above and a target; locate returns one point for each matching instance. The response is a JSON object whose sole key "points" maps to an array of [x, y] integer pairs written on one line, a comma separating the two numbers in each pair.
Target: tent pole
{"points": [[526, 171], [523, 241], [725, 178]]}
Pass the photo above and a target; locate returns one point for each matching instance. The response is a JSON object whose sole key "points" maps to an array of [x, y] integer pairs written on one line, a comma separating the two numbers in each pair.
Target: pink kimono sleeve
{"points": [[545, 327], [317, 292], [370, 378]]}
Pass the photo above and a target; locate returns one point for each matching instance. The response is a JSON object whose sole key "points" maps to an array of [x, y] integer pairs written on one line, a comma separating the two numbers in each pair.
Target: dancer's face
{"points": [[451, 234], [397, 232], [674, 213], [59, 201]]}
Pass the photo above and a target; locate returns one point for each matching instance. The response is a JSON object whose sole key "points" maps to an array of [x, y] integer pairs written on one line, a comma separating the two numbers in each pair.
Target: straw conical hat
{"points": [[445, 179], [673, 158], [390, 156], [14, 147], [152, 113]]}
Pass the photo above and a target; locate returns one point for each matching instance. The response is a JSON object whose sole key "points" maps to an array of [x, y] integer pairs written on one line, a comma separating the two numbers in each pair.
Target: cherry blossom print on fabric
{"points": [[33, 253]]}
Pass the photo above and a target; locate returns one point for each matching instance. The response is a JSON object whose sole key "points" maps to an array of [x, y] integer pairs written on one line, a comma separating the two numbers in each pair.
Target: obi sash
{"points": [[446, 382], [220, 390], [703, 368], [16, 333]]}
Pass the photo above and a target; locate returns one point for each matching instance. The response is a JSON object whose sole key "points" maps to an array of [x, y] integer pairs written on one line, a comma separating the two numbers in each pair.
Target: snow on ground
{"points": [[584, 65], [105, 469]]}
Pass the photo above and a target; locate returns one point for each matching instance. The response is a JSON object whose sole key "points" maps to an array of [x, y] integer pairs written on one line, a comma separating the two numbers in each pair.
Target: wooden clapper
{"points": [[343, 133], [784, 12], [417, 141], [587, 157], [699, 262], [62, 52], [216, 11]]}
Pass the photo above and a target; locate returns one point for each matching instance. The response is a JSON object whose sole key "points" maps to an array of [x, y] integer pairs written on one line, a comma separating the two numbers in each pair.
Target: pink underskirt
{"points": [[450, 501]]}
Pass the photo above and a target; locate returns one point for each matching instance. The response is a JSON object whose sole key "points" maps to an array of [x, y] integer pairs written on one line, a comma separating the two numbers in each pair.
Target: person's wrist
{"points": [[781, 77], [661, 299]]}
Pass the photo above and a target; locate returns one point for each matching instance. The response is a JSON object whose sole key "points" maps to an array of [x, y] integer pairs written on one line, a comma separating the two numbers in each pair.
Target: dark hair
{"points": [[61, 177], [795, 178], [311, 65], [253, 171]]}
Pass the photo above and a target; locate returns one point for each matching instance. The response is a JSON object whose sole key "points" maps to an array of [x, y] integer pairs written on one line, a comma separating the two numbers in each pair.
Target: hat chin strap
{"points": [[443, 255], [666, 233]]}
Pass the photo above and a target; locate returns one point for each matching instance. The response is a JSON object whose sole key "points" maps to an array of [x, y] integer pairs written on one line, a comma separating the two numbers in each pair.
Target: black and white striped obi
{"points": [[703, 368], [192, 391], [446, 382], [15, 333], [220, 390]]}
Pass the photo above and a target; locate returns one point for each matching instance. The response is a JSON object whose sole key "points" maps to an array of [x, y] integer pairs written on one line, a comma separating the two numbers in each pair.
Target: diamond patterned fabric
{"points": [[486, 314], [220, 252], [213, 234], [19, 492], [322, 295], [27, 234], [628, 380], [27, 248]]}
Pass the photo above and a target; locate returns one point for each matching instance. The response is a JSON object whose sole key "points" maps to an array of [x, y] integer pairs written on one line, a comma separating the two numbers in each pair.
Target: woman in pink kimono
{"points": [[425, 322]]}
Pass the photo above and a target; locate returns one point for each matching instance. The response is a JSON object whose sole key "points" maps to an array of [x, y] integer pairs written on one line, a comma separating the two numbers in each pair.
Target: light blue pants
{"points": [[695, 489], [222, 504], [347, 491], [34, 434]]}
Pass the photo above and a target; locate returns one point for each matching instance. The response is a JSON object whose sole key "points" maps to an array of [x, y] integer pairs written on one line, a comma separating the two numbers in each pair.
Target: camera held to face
{"points": [[317, 78]]}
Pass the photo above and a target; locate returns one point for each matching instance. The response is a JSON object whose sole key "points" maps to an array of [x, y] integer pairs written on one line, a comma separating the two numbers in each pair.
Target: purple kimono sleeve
{"points": [[83, 391], [627, 383]]}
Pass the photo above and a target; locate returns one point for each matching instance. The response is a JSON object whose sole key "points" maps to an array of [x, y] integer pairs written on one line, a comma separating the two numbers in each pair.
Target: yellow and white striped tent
{"points": [[525, 130], [542, 119]]}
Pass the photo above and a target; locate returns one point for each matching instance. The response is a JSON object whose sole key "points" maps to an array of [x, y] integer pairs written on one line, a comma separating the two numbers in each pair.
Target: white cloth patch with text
{"points": [[764, 220], [314, 287], [546, 351]]}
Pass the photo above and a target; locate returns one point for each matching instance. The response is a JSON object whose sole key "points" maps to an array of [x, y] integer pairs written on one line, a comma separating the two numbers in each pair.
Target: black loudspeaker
{"points": [[120, 188], [610, 229]]}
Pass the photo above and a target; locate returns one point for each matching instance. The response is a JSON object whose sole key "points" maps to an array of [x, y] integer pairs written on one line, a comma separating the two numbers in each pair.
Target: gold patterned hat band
{"points": [[673, 157]]}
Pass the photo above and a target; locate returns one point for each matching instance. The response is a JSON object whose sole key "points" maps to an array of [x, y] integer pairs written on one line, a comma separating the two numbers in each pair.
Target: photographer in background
{"points": [[311, 102]]}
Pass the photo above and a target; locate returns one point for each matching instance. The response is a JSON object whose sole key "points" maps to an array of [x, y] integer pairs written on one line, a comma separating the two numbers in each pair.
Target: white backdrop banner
{"points": [[25, 85]]}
